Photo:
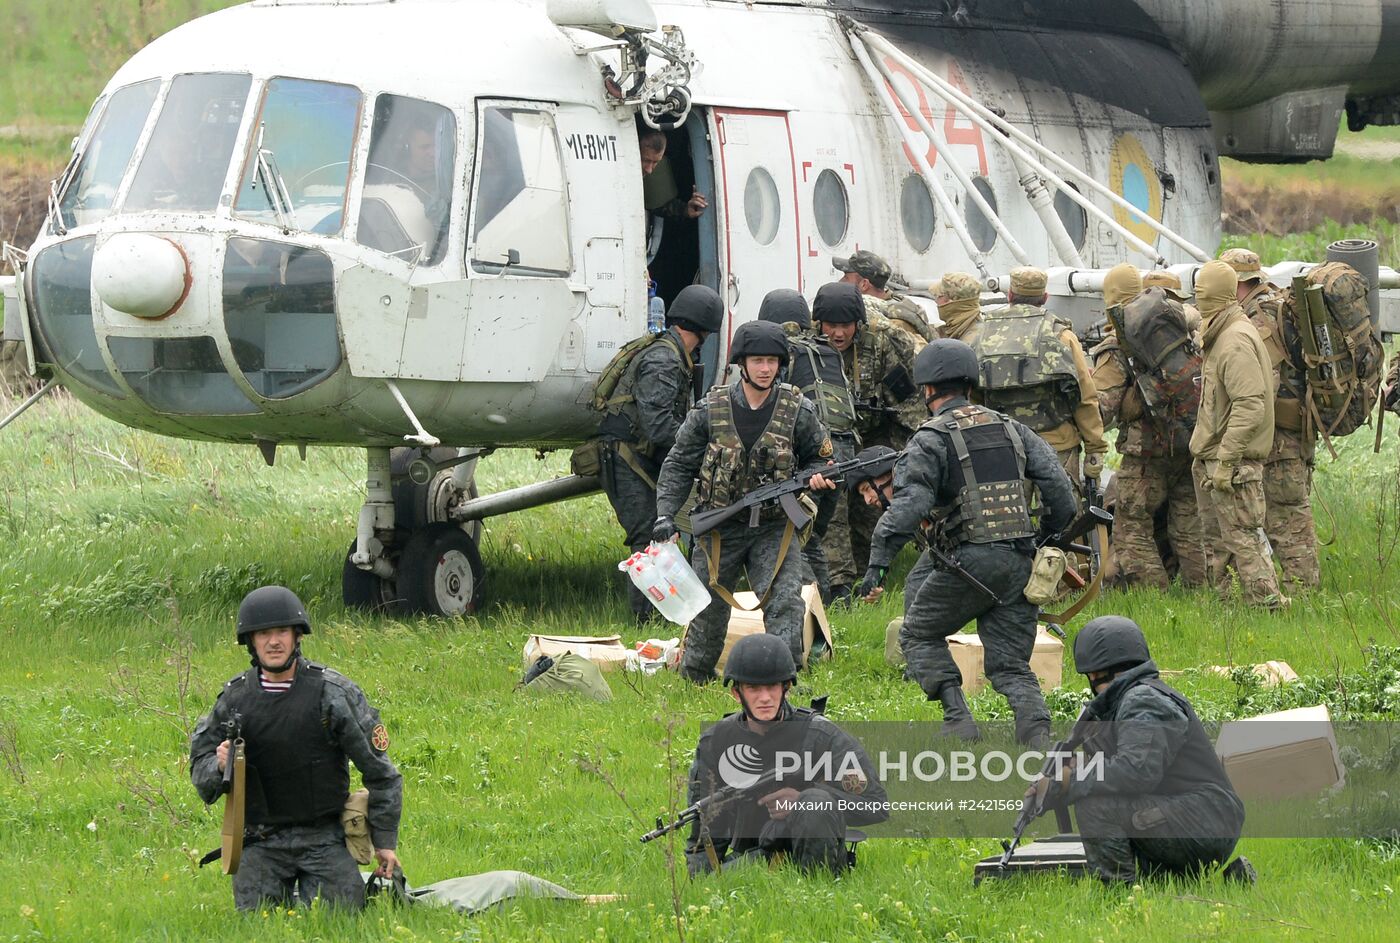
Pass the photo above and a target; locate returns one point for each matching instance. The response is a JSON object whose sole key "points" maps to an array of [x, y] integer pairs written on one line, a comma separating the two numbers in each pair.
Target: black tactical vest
{"points": [[986, 477], [817, 371], [621, 420], [729, 471], [1197, 766], [297, 775]]}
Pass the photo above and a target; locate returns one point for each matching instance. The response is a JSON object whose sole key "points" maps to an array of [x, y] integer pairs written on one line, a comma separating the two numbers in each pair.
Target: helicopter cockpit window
{"points": [[520, 200], [102, 163], [187, 158], [299, 159], [406, 206]]}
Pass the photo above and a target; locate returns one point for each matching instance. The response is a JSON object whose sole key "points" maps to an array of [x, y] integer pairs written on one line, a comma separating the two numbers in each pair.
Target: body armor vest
{"points": [[986, 475], [817, 371], [301, 776], [1027, 371], [729, 471], [1196, 767]]}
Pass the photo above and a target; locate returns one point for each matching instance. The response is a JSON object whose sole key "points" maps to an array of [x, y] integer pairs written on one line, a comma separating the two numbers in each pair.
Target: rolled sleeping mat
{"points": [[1364, 256]]}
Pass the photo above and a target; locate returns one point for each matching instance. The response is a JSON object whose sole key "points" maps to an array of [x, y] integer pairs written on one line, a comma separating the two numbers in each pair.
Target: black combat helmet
{"points": [[1109, 643], [760, 659], [783, 305], [697, 308], [945, 360], [758, 339], [838, 303], [887, 458], [269, 607]]}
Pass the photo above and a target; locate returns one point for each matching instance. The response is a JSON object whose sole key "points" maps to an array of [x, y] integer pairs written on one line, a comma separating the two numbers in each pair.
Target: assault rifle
{"points": [[782, 493], [235, 790], [709, 806], [1091, 518], [874, 406], [1044, 794]]}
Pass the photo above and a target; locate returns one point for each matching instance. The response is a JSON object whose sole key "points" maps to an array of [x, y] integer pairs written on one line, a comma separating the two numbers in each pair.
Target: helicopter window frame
{"points": [[979, 227], [248, 170], [439, 209], [78, 182], [487, 135], [146, 195]]}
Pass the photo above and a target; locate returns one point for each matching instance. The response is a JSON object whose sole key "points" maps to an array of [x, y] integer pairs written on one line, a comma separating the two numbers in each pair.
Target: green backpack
{"points": [[606, 398], [1328, 321]]}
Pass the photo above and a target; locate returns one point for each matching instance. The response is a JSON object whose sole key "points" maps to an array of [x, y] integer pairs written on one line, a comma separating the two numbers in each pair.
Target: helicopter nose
{"points": [[140, 274]]}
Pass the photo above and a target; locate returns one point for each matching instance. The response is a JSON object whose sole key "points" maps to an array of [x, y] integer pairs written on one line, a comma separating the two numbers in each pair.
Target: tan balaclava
{"points": [[1121, 285], [1215, 288], [963, 292]]}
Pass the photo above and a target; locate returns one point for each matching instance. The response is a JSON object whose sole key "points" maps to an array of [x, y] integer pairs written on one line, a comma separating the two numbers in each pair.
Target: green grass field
{"points": [[131, 552]]}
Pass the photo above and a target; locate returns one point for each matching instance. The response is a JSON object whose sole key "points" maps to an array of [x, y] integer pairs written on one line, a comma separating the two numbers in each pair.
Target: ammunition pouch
{"points": [[587, 459], [355, 820], [1047, 570], [1288, 414]]}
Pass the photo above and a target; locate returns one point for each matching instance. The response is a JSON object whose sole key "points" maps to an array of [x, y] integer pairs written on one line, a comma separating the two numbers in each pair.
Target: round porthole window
{"points": [[916, 212], [761, 206], [830, 208], [984, 234], [1076, 221]]}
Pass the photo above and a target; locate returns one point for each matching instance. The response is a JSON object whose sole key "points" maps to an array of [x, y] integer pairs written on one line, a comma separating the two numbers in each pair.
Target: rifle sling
{"points": [[712, 550], [1089, 594], [629, 455]]}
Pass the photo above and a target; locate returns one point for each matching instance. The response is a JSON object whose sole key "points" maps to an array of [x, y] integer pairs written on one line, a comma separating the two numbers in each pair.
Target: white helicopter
{"points": [[376, 222]]}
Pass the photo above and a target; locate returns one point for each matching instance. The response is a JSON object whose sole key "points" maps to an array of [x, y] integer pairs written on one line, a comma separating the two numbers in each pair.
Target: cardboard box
{"points": [[1047, 660], [1270, 674], [743, 623], [605, 651], [1275, 756]]}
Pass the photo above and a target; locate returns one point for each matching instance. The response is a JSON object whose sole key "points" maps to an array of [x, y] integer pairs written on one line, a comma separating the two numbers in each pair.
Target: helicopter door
{"points": [[759, 207]]}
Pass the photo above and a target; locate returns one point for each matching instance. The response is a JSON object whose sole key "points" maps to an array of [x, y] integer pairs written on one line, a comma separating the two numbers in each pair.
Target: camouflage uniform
{"points": [[942, 603], [637, 437], [879, 349], [792, 441], [814, 834], [1062, 405], [1164, 803], [1234, 432], [304, 844], [1288, 470], [1392, 386], [903, 314], [1150, 476]]}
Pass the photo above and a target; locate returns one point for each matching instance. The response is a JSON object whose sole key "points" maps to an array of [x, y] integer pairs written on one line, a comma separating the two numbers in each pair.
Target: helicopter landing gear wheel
{"points": [[418, 505], [361, 589], [440, 572]]}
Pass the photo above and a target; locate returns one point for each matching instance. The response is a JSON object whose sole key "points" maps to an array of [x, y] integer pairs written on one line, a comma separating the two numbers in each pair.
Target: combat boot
{"points": [[1240, 871], [957, 719]]}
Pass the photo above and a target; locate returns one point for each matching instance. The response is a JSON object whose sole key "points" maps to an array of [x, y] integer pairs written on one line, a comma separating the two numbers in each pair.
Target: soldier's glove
{"points": [[874, 579], [1223, 478], [663, 530], [1093, 465]]}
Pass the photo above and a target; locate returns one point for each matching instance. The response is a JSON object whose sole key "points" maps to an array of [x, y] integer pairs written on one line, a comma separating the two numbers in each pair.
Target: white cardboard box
{"points": [[1047, 660], [1274, 756], [605, 651], [743, 623]]}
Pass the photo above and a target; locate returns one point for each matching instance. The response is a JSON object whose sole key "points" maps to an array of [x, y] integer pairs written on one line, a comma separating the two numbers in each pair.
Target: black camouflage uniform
{"points": [[826, 386], [725, 449], [298, 742], [993, 542], [1164, 803], [652, 398], [814, 834]]}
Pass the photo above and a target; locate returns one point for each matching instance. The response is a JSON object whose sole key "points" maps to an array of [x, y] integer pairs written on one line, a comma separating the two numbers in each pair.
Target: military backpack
{"points": [[1329, 334], [816, 370], [1164, 362], [606, 396]]}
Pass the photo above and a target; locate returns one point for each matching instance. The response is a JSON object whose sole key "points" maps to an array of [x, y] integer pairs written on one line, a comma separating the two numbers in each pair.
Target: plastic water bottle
{"points": [[664, 577], [656, 310]]}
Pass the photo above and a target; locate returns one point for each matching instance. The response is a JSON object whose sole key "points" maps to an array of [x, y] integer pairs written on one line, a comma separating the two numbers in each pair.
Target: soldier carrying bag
{"points": [[1327, 322], [1164, 360]]}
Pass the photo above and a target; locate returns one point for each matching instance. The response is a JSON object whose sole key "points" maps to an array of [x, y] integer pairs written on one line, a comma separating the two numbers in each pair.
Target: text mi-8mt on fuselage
{"points": [[367, 223]]}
